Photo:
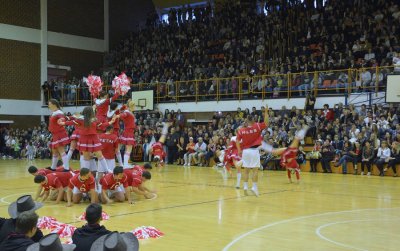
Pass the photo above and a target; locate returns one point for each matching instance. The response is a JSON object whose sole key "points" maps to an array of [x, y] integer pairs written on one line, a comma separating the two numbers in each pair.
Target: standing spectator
{"points": [[310, 102], [171, 142], [211, 147], [181, 150]]}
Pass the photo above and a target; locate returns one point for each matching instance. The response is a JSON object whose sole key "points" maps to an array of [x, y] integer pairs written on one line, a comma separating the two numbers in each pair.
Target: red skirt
{"points": [[127, 137], [74, 136], [59, 139], [89, 143]]}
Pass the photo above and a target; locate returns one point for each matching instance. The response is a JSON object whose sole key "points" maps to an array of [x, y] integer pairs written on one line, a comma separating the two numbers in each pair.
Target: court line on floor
{"points": [[2, 199], [318, 233], [237, 239], [344, 195], [189, 204]]}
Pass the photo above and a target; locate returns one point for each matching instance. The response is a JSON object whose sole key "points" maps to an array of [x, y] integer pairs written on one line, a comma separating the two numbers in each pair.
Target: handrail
{"points": [[337, 82]]}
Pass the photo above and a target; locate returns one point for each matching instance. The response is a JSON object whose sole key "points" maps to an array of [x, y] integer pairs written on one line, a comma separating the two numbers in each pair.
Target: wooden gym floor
{"points": [[199, 210]]}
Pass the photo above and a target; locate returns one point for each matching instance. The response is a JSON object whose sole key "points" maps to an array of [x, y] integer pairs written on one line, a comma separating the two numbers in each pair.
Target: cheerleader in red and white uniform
{"points": [[102, 103], [232, 158], [88, 141], [127, 136], [59, 135], [157, 148], [111, 114], [74, 137]]}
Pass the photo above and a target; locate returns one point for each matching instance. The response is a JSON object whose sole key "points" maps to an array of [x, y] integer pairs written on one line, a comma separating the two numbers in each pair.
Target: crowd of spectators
{"points": [[15, 143], [251, 38]]}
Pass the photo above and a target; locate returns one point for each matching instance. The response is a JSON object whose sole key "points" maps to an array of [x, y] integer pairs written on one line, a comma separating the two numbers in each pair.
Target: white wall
{"points": [[20, 107], [275, 104]]}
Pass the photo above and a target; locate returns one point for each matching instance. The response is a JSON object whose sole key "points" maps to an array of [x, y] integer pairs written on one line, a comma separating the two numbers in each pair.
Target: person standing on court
{"points": [[24, 203], [84, 236], [248, 140]]}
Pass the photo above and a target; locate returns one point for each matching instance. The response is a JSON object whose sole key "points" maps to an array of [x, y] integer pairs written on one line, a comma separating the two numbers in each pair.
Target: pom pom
{"points": [[47, 223], [64, 230], [121, 84], [147, 232], [94, 83], [104, 216]]}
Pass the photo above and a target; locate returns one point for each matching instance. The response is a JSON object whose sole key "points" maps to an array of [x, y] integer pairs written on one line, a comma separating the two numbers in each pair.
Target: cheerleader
{"points": [[232, 158], [74, 137], [59, 135], [127, 137], [112, 112], [157, 150], [88, 141], [102, 104]]}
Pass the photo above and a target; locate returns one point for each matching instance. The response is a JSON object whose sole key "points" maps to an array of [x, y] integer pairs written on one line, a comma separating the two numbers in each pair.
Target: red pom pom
{"points": [[121, 84], [94, 83]]}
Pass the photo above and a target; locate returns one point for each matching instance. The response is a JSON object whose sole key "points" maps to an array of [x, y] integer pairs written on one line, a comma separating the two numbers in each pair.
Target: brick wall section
{"points": [[22, 122], [19, 70], [76, 17], [80, 61], [24, 13]]}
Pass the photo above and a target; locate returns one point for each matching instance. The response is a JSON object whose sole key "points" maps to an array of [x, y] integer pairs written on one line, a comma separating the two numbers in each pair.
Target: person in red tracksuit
{"points": [[82, 183], [102, 103], [127, 136], [53, 181], [232, 158], [59, 135], [115, 186], [248, 140]]}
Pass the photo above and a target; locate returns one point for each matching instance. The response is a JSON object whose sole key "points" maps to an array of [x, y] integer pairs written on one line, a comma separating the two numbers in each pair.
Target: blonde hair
{"points": [[131, 105]]}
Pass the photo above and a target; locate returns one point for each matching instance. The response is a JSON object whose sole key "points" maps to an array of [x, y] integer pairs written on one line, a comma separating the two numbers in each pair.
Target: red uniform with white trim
{"points": [[109, 143], [231, 153], [102, 108], [109, 183], [130, 173], [137, 180], [83, 186], [88, 140], [45, 171], [58, 132], [250, 138], [56, 180], [289, 158], [110, 115], [127, 137], [158, 150]]}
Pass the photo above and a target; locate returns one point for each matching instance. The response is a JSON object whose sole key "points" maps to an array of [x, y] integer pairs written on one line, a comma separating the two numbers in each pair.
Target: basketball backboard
{"points": [[143, 100]]}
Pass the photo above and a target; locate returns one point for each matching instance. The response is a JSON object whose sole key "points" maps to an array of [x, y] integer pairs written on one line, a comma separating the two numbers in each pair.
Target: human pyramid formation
{"points": [[97, 135]]}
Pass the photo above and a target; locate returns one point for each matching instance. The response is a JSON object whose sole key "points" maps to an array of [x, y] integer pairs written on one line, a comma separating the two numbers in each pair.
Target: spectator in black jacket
{"points": [[25, 229], [84, 236], [23, 204]]}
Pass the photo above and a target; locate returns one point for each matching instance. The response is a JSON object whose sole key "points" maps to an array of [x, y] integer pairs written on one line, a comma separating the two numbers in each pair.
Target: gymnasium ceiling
{"points": [[161, 4]]}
